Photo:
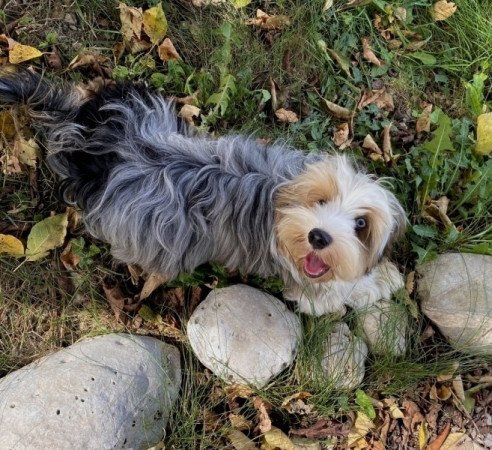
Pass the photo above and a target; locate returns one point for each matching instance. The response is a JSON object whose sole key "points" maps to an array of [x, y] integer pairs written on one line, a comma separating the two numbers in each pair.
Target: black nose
{"points": [[319, 239]]}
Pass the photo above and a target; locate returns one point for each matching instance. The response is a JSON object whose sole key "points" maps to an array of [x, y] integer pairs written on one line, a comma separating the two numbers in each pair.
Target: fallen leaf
{"points": [[7, 125], [394, 411], [365, 403], [341, 136], [151, 284], [10, 164], [8, 42], [286, 116], [240, 3], [20, 53], [116, 300], [167, 51], [295, 404], [27, 151], [410, 282], [452, 440], [338, 111], [413, 416], [360, 429], [131, 28], [449, 374], [322, 429], [276, 439], [442, 10], [380, 97], [437, 443], [240, 422], [436, 211], [187, 113], [11, 246], [424, 120], [458, 387], [264, 422], [423, 435], [484, 134], [53, 59], [327, 5], [387, 150], [340, 59], [267, 22], [240, 441], [375, 153], [155, 24], [368, 54], [69, 259], [45, 236]]}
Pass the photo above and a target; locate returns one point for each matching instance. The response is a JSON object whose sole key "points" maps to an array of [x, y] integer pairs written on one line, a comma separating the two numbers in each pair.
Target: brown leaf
{"points": [[276, 439], [10, 164], [118, 50], [424, 121], [151, 284], [375, 153], [286, 116], [295, 404], [187, 112], [53, 59], [387, 150], [341, 136], [338, 111], [167, 51], [410, 282], [413, 416], [442, 10], [69, 259], [240, 441], [116, 300], [94, 61], [135, 273], [436, 211], [131, 28], [368, 53], [322, 429], [7, 125], [267, 22], [382, 99], [264, 422], [239, 422]]}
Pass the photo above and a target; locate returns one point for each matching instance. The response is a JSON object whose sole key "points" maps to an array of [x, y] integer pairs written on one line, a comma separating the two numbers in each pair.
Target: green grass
{"points": [[231, 67]]}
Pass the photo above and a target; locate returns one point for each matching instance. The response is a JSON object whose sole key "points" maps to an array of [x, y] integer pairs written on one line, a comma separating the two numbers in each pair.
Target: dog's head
{"points": [[333, 222]]}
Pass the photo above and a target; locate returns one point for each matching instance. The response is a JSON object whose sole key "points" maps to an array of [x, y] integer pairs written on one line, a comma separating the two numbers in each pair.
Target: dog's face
{"points": [[333, 222]]}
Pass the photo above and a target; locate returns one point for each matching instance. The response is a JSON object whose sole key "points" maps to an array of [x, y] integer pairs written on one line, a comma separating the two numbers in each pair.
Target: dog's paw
{"points": [[388, 279], [316, 303]]}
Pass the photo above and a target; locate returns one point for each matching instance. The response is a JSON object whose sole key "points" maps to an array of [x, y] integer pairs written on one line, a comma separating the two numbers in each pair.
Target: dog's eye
{"points": [[321, 202], [360, 223]]}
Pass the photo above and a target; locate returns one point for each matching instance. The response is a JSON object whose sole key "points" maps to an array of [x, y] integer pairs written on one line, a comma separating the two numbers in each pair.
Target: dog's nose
{"points": [[319, 239]]}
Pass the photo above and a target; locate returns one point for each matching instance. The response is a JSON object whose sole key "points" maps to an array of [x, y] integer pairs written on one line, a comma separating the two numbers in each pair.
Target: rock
{"points": [[456, 294], [344, 358], [108, 392], [384, 327], [244, 335]]}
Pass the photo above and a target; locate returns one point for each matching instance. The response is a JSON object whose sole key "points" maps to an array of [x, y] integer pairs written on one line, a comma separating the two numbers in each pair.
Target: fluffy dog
{"points": [[170, 201]]}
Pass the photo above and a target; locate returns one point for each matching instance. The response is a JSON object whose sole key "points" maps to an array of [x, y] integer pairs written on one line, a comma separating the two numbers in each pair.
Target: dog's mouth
{"points": [[314, 267]]}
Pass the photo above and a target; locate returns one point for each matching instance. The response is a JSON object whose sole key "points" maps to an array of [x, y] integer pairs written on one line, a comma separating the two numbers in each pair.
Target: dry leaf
{"points": [[131, 28], [7, 125], [484, 134], [449, 375], [276, 439], [286, 116], [423, 434], [187, 113], [424, 121], [368, 53], [151, 284], [452, 440], [26, 151], [443, 9], [240, 441], [167, 51], [436, 211], [267, 22], [327, 5], [394, 411], [360, 429], [53, 59], [116, 299], [338, 111], [46, 235], [69, 259], [10, 164], [265, 424], [155, 23], [382, 98], [240, 422], [341, 136], [295, 404], [322, 429], [11, 246], [387, 150], [375, 153], [410, 282], [20, 53], [458, 388]]}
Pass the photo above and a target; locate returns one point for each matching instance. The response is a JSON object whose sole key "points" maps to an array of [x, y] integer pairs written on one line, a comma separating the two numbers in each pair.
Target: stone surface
{"points": [[384, 327], [244, 335], [108, 392], [456, 294], [344, 359]]}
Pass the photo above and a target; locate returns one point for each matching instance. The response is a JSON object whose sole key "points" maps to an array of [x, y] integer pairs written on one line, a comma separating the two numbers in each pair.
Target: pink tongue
{"points": [[314, 267]]}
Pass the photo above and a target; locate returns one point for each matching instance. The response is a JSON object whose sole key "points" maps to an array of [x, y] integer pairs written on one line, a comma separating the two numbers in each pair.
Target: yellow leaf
{"points": [[484, 134], [443, 9], [240, 441], [423, 435], [26, 151], [155, 24], [276, 439], [21, 53], [452, 440], [240, 3], [7, 125], [11, 246], [286, 116], [167, 51], [45, 236]]}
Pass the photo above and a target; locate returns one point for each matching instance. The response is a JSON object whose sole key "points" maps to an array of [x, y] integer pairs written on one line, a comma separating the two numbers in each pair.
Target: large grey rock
{"points": [[456, 294], [344, 358], [108, 392], [244, 335]]}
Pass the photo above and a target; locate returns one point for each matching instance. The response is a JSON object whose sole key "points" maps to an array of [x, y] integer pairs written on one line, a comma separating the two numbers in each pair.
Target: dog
{"points": [[169, 200]]}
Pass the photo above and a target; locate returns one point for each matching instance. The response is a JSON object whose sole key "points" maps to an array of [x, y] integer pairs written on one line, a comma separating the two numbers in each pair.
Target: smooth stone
{"points": [[109, 392], [244, 335], [384, 327], [456, 294], [344, 358]]}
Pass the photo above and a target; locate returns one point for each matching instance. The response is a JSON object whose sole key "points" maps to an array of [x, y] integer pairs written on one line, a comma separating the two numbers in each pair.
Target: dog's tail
{"points": [[66, 117]]}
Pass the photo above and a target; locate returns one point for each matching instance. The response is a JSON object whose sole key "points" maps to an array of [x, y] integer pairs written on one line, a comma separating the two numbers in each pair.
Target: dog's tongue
{"points": [[314, 267]]}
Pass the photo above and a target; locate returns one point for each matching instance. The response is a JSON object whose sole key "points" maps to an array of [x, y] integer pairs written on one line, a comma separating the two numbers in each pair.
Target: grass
{"points": [[240, 75]]}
